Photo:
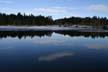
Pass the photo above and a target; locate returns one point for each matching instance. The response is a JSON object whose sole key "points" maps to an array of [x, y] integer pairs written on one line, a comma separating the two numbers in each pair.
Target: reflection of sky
{"points": [[59, 40], [78, 42], [5, 47], [49, 41], [40, 53], [97, 45], [56, 40], [57, 48], [55, 56]]}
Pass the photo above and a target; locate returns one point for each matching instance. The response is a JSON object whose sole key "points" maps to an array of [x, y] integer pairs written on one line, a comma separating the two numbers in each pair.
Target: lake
{"points": [[53, 51]]}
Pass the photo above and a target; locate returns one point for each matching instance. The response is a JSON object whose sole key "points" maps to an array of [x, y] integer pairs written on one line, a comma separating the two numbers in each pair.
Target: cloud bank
{"points": [[99, 7], [6, 1]]}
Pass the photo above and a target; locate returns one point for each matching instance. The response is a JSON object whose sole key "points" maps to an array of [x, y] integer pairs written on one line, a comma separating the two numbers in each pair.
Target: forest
{"points": [[87, 21], [32, 20], [23, 19]]}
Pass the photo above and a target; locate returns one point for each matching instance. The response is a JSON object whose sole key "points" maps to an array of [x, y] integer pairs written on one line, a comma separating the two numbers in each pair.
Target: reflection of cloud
{"points": [[3, 48], [55, 56], [49, 41], [97, 45]]}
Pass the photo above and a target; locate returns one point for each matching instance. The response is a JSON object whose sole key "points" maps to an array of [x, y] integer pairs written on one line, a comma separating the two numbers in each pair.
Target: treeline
{"points": [[23, 19], [89, 21]]}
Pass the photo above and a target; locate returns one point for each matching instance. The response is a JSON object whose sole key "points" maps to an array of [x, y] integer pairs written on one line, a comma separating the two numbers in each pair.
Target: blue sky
{"points": [[56, 8]]}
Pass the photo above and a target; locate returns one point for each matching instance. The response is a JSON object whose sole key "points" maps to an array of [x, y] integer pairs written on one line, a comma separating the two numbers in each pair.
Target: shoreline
{"points": [[49, 28]]}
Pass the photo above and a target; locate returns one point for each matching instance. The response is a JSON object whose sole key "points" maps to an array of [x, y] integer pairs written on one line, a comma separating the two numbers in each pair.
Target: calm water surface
{"points": [[53, 52]]}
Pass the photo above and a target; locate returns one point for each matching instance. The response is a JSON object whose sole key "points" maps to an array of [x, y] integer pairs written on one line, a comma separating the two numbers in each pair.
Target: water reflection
{"points": [[60, 51], [50, 41], [85, 34], [21, 34], [55, 56], [71, 33], [5, 48], [97, 45]]}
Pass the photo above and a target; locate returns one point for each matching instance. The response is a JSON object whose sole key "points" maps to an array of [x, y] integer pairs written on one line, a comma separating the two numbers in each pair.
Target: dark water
{"points": [[53, 51]]}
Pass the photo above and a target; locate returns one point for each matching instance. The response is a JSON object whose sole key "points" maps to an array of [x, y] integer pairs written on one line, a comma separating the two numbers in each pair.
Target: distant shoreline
{"points": [[32, 20], [50, 28]]}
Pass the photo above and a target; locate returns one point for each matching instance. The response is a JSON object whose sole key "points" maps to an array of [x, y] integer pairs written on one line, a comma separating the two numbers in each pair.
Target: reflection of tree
{"points": [[21, 34], [85, 34]]}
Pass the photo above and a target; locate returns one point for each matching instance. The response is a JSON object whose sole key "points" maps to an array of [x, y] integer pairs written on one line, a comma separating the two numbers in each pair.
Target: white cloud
{"points": [[56, 12], [6, 1], [50, 10], [55, 56], [70, 15], [98, 7], [54, 9], [15, 11]]}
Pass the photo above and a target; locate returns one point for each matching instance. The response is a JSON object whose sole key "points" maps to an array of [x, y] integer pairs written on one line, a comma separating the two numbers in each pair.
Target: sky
{"points": [[56, 8]]}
